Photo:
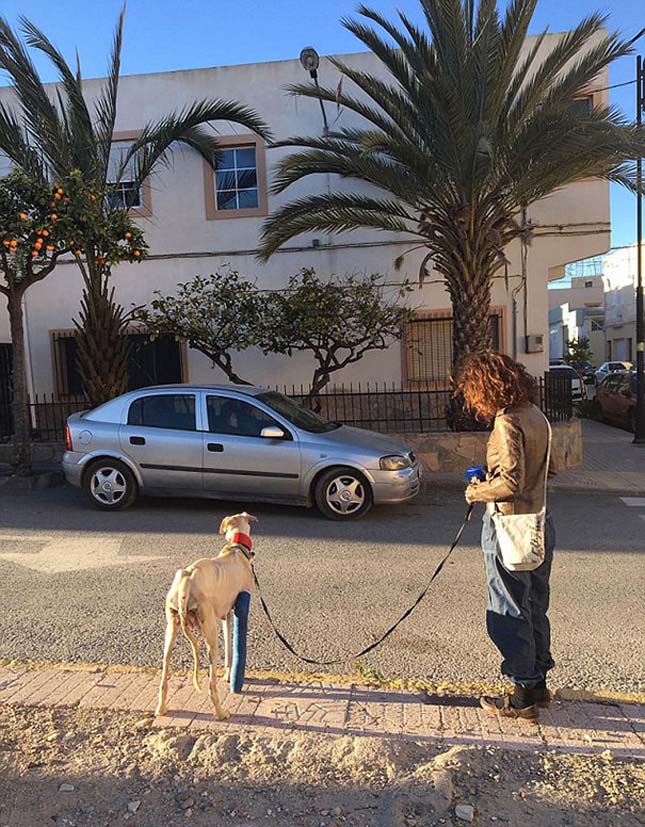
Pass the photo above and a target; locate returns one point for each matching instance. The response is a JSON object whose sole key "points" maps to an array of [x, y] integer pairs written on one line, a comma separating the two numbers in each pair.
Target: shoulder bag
{"points": [[521, 536]]}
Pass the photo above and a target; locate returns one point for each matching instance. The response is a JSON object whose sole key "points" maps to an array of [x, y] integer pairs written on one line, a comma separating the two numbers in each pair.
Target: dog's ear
{"points": [[224, 525], [250, 517]]}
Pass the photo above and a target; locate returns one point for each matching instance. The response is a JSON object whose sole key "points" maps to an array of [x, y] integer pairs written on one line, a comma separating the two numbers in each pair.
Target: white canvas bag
{"points": [[521, 537]]}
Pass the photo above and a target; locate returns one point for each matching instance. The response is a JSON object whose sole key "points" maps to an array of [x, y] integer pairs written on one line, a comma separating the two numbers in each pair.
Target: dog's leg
{"points": [[172, 621], [227, 630], [211, 633]]}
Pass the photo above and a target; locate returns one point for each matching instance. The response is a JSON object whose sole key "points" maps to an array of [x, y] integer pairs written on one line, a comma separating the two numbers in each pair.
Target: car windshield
{"points": [[297, 415]]}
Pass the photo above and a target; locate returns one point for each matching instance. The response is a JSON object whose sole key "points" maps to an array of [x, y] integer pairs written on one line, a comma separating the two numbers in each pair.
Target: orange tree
{"points": [[39, 223]]}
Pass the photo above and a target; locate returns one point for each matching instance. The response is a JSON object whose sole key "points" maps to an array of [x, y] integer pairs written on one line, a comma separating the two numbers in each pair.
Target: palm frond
{"points": [[41, 120], [106, 103], [334, 213], [155, 142]]}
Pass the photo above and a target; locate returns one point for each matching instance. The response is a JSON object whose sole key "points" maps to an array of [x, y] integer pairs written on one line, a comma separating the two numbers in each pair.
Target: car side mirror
{"points": [[272, 432]]}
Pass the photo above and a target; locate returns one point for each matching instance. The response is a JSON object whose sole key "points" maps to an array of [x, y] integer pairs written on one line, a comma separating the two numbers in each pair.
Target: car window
{"points": [[564, 370], [173, 410], [625, 384], [237, 418], [612, 383], [300, 417]]}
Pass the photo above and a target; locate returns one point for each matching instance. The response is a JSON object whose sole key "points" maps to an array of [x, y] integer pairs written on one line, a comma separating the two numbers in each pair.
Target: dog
{"points": [[203, 593]]}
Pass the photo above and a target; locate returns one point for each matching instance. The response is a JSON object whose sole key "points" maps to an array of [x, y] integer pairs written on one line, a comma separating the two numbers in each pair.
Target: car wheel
{"points": [[110, 484], [343, 494]]}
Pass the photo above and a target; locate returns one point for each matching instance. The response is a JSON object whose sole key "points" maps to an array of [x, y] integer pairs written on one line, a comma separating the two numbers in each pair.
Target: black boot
{"points": [[521, 704], [542, 695]]}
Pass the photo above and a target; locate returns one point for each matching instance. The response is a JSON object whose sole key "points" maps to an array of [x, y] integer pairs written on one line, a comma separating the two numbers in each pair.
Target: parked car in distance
{"points": [[570, 373], [615, 400], [232, 442], [587, 370], [611, 367]]}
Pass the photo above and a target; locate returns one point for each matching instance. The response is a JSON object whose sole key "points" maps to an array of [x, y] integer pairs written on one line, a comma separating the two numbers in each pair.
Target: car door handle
{"points": [[137, 440], [215, 447]]}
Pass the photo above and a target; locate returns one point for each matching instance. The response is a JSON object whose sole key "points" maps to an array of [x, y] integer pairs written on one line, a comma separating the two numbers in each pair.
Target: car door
{"points": [[624, 400], [161, 436], [610, 409], [238, 461]]}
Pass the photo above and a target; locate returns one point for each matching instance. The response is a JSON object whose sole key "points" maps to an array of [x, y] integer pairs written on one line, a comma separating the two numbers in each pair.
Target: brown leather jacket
{"points": [[516, 460]]}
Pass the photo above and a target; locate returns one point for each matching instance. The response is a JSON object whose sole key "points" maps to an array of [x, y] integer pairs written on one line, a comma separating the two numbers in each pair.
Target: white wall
{"points": [[571, 225]]}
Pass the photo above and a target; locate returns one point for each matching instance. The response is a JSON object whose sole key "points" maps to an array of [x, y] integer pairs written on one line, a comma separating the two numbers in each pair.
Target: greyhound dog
{"points": [[203, 593]]}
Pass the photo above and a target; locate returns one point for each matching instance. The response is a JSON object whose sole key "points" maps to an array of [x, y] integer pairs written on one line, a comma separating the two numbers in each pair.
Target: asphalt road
{"points": [[80, 585]]}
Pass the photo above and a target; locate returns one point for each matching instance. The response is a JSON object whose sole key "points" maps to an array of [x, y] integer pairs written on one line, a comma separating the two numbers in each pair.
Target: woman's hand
{"points": [[471, 495]]}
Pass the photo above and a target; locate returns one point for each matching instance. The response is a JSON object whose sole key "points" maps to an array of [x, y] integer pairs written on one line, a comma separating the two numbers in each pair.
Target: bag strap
{"points": [[548, 456]]}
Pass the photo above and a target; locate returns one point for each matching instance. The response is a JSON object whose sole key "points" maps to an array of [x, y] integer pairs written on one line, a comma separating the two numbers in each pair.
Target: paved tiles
{"points": [[271, 708]]}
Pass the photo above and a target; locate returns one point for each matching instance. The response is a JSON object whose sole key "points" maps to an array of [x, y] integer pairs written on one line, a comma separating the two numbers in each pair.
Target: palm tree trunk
{"points": [[103, 347], [471, 331], [21, 424]]}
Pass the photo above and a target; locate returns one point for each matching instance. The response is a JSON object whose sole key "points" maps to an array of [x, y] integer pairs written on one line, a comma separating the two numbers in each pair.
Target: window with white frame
{"points": [[127, 192], [236, 179]]}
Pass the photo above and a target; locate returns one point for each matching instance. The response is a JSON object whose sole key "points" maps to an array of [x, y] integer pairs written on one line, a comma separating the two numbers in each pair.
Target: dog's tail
{"points": [[183, 596]]}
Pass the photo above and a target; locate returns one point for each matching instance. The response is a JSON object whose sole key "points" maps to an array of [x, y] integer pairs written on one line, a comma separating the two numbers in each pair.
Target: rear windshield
{"points": [[297, 415]]}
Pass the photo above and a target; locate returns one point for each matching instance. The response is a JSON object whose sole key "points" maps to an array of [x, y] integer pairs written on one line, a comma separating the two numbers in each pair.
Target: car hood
{"points": [[369, 441]]}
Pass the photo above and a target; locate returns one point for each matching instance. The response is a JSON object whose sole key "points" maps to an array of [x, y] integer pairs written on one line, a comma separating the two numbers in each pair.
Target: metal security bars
{"points": [[375, 406]]}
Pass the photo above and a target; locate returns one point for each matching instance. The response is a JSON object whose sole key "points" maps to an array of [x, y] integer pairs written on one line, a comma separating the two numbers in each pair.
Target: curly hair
{"points": [[491, 381]]}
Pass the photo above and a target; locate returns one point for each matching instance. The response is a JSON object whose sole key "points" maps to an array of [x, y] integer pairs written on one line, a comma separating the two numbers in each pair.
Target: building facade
{"points": [[620, 276], [578, 312], [197, 221]]}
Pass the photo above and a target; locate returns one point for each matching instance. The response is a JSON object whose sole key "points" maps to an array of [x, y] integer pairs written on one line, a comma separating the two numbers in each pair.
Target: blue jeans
{"points": [[516, 616]]}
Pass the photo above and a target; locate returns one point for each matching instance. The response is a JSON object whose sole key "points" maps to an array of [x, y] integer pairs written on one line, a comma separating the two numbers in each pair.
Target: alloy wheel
{"points": [[108, 485], [345, 494]]}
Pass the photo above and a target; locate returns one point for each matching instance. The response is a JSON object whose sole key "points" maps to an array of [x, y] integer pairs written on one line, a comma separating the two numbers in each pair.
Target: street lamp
{"points": [[639, 430], [310, 60]]}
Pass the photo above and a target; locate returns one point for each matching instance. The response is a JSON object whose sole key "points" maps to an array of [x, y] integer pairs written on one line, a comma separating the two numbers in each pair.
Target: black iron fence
{"points": [[377, 407]]}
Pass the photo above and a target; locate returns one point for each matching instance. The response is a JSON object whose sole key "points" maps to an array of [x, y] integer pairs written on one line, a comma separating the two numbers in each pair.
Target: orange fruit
{"points": [[6, 243], [128, 235], [53, 216], [22, 216], [45, 233], [35, 253], [137, 253], [59, 191], [50, 247]]}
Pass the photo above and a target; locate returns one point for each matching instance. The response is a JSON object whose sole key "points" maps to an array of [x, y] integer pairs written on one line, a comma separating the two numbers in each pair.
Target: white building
{"points": [[620, 277], [196, 221], [577, 312]]}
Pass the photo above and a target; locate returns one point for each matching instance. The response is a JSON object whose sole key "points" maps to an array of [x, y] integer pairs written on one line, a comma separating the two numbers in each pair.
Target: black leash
{"points": [[376, 643]]}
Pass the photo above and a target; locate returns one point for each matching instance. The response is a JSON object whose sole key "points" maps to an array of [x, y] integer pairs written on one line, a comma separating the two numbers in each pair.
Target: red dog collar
{"points": [[240, 539]]}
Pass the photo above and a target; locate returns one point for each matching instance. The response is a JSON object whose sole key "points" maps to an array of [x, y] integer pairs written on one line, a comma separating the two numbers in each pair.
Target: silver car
{"points": [[232, 442]]}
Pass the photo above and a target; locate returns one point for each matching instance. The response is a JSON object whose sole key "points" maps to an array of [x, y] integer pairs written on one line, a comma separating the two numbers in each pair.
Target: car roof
{"points": [[247, 390]]}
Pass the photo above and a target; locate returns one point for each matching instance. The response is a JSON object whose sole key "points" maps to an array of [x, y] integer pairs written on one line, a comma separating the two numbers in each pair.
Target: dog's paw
{"points": [[227, 675], [160, 710], [223, 715]]}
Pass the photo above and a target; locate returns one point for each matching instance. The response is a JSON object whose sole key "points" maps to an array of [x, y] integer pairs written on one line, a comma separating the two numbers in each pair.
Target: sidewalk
{"points": [[610, 464], [271, 707]]}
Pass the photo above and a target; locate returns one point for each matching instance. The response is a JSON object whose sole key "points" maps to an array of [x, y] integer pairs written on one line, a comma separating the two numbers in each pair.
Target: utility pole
{"points": [[639, 435]]}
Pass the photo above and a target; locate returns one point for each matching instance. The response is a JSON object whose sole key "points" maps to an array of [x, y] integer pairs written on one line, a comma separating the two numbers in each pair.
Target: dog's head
{"points": [[238, 522]]}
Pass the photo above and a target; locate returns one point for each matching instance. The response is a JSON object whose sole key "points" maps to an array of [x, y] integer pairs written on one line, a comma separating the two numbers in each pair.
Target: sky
{"points": [[164, 35]]}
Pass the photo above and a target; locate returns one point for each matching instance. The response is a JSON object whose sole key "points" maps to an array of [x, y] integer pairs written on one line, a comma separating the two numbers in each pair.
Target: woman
{"points": [[499, 390]]}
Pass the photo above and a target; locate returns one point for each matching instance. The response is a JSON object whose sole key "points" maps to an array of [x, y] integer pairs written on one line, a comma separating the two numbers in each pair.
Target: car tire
{"points": [[109, 484], [343, 494]]}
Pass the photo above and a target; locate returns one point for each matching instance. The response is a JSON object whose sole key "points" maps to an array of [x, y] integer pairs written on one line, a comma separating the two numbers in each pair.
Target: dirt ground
{"points": [[77, 768]]}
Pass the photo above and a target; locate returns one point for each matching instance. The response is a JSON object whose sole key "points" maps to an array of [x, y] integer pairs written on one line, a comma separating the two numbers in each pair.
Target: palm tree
{"points": [[473, 124], [65, 134]]}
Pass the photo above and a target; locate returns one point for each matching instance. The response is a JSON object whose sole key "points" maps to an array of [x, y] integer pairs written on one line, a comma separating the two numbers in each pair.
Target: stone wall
{"points": [[439, 452], [445, 453]]}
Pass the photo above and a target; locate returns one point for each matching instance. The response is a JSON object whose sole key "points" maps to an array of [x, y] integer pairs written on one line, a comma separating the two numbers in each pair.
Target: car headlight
{"points": [[396, 462]]}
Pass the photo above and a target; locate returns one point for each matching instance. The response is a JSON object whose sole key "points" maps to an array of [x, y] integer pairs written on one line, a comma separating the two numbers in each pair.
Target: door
{"points": [[624, 400], [238, 461], [6, 389], [161, 436]]}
